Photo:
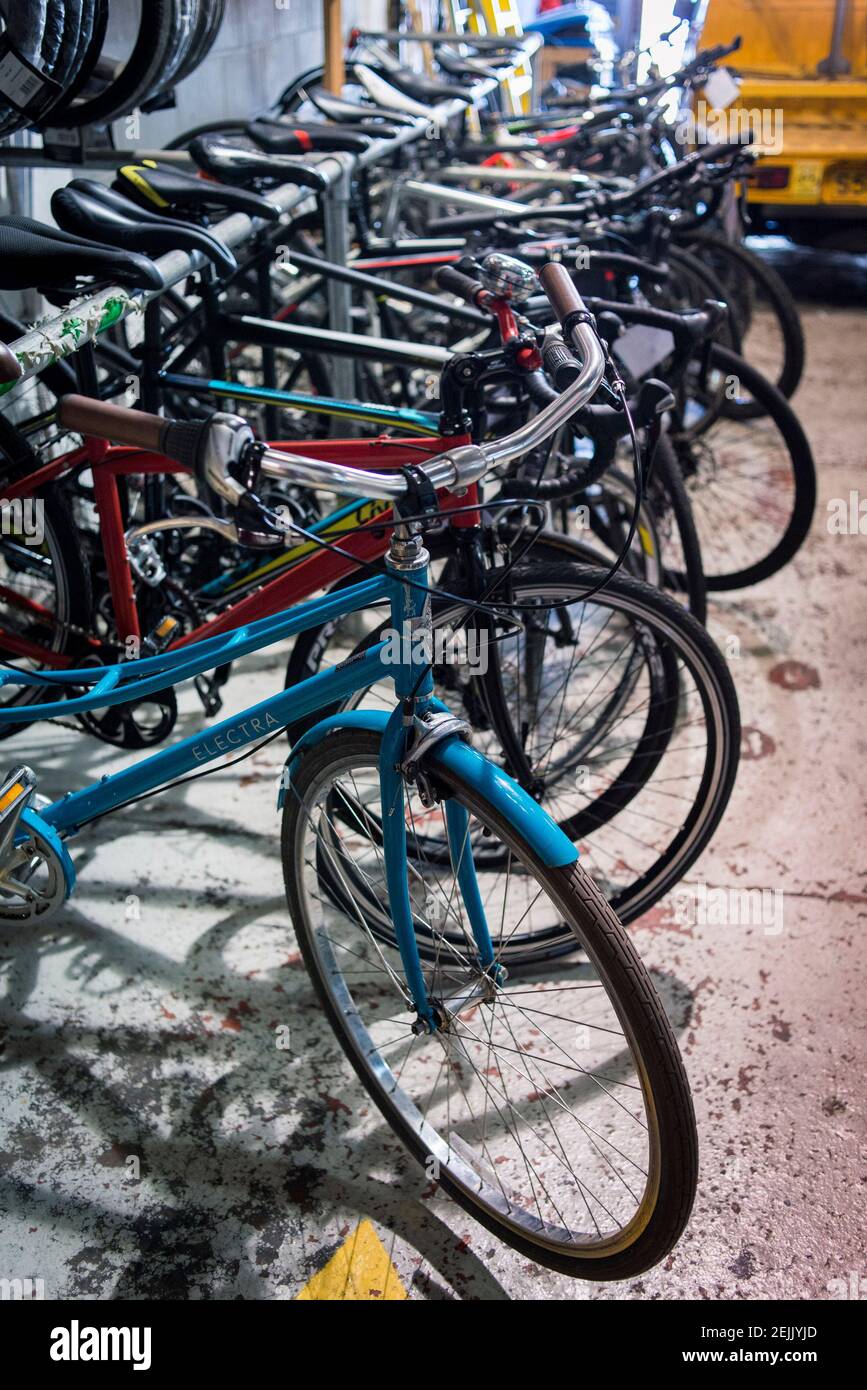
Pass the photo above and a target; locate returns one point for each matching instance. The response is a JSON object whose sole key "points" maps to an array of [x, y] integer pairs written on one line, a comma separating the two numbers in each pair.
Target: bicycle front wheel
{"points": [[551, 1105]]}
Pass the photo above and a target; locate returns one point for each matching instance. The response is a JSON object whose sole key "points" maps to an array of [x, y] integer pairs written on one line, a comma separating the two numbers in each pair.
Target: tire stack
{"points": [[54, 71]]}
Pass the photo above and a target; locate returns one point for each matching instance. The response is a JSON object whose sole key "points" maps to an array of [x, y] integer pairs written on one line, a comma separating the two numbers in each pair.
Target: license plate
{"points": [[847, 183], [806, 183]]}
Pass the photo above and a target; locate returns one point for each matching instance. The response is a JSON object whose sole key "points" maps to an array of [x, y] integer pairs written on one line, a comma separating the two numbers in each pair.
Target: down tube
{"points": [[228, 737]]}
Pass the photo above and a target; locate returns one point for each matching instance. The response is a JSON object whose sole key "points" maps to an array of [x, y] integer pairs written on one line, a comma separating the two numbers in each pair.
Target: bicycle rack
{"points": [[62, 334]]}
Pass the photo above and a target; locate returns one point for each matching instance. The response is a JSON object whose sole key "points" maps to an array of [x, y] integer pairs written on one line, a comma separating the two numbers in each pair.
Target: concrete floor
{"points": [[156, 1143]]}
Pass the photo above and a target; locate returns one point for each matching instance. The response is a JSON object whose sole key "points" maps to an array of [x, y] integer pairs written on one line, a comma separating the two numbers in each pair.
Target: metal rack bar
{"points": [[64, 333], [84, 320], [33, 157]]}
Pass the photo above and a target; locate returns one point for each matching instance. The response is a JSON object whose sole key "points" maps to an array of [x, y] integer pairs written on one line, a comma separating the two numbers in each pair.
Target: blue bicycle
{"points": [[550, 1102]]}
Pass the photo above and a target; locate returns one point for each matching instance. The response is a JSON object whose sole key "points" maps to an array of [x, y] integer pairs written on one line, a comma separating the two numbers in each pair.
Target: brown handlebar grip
{"points": [[114, 422], [10, 367], [562, 294]]}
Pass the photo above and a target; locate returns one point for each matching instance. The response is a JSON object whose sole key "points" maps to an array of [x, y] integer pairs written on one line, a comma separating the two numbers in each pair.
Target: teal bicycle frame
{"points": [[413, 683]]}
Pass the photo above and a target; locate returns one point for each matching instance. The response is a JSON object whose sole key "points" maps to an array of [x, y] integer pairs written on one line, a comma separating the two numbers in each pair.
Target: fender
{"points": [[542, 834]]}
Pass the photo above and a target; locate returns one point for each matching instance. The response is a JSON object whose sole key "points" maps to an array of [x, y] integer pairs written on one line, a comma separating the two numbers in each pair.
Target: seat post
{"points": [[85, 368], [149, 400]]}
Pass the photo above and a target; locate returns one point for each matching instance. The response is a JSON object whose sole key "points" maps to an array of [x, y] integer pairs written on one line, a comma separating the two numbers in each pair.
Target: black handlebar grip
{"points": [[560, 364], [562, 294], [448, 278], [182, 441], [706, 56]]}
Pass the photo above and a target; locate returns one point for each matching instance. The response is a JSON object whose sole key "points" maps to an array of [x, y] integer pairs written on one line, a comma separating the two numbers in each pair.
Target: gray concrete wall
{"points": [[261, 46]]}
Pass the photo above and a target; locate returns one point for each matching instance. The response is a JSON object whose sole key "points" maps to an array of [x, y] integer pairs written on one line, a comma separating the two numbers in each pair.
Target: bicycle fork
{"points": [[419, 722]]}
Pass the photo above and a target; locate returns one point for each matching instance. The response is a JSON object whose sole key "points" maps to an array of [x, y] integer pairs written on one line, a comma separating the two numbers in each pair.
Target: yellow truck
{"points": [[803, 71]]}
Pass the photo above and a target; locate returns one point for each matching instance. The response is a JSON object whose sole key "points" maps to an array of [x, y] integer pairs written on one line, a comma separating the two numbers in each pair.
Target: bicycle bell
{"points": [[507, 278]]}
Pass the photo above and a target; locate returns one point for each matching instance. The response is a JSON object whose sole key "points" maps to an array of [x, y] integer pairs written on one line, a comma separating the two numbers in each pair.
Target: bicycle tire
{"points": [[36, 32], [89, 58], [715, 695], [777, 410], [673, 1168], [769, 286], [668, 491], [72, 582], [210, 21], [141, 74]]}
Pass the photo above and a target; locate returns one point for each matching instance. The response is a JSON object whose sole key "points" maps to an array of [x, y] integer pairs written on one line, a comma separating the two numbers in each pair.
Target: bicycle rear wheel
{"points": [[751, 482], [552, 1107], [623, 711], [771, 332]]}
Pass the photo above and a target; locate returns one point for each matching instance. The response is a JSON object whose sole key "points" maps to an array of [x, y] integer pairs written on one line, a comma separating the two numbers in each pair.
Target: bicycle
{"points": [[447, 1048]]}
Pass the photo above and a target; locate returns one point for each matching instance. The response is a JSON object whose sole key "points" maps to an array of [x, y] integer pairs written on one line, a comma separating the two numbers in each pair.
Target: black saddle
{"points": [[341, 110], [239, 162], [472, 66], [420, 88], [164, 189], [91, 209], [36, 256], [307, 137]]}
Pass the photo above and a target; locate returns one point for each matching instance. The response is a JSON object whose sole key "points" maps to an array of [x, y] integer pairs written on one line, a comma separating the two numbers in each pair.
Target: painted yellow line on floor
{"points": [[360, 1269]]}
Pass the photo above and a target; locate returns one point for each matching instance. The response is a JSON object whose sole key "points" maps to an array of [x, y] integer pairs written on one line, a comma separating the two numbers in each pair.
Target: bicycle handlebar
{"points": [[599, 201], [213, 448], [562, 294], [115, 422], [448, 278], [706, 58]]}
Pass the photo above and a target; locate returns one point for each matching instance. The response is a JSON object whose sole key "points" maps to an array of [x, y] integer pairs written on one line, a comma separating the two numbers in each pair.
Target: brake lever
{"points": [[259, 526]]}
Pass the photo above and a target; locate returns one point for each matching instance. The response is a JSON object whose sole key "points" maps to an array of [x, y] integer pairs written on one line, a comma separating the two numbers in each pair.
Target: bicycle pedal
{"points": [[206, 689], [157, 640], [15, 795]]}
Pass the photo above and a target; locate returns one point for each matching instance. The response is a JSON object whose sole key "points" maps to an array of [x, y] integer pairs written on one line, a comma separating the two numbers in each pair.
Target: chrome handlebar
{"points": [[456, 468]]}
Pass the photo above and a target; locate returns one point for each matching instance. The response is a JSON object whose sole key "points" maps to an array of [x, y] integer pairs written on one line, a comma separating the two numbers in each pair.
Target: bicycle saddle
{"points": [[160, 187], [238, 163], [91, 209], [382, 92], [305, 137], [474, 65], [422, 88], [36, 256], [341, 109]]}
